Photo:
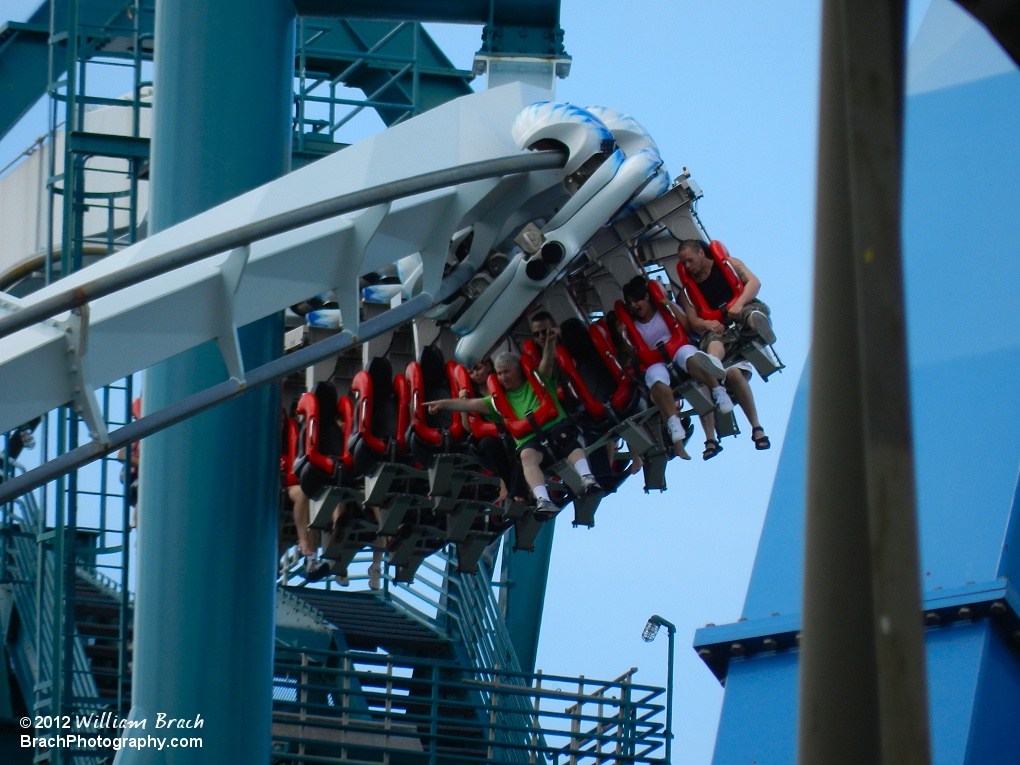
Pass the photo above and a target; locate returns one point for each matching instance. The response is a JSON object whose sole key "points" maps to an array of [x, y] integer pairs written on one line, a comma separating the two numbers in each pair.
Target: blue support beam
{"points": [[208, 495], [512, 27], [522, 602]]}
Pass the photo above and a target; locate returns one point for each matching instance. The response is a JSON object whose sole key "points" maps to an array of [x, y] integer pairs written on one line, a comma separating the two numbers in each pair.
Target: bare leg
{"points": [[531, 462], [719, 394], [308, 540], [741, 390], [712, 445], [375, 570], [717, 349], [701, 375]]}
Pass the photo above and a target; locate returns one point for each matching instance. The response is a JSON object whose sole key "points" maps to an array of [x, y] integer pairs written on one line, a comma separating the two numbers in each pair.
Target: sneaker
{"points": [[375, 577], [589, 486], [316, 570], [677, 433], [545, 510], [706, 362], [762, 327], [722, 400]]}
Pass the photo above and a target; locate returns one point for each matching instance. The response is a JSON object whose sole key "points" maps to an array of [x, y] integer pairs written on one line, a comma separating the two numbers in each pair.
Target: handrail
{"points": [[25, 554], [274, 225], [347, 699]]}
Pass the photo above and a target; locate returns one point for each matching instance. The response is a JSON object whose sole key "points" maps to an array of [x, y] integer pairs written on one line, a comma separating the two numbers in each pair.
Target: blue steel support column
{"points": [[522, 602], [204, 626]]}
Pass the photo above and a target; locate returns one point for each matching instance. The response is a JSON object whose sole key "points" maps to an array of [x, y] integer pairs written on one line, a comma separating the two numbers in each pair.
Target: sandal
{"points": [[712, 448], [761, 443]]}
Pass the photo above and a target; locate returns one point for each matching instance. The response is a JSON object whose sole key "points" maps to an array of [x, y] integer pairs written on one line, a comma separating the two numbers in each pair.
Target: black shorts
{"points": [[561, 438]]}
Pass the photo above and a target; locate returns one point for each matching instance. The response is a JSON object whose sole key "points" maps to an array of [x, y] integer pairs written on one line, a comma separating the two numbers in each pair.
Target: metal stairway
{"points": [[419, 673]]}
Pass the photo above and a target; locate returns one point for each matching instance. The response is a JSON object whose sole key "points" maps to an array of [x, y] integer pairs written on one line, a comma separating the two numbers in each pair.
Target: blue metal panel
{"points": [[954, 657], [961, 195], [1009, 565], [759, 716], [994, 733], [775, 585], [974, 682]]}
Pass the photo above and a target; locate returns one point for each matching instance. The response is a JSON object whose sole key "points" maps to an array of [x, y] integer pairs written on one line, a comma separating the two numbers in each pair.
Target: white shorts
{"points": [[658, 372]]}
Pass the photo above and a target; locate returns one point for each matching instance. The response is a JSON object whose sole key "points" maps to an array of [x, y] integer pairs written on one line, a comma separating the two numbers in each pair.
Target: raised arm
{"points": [[547, 365]]}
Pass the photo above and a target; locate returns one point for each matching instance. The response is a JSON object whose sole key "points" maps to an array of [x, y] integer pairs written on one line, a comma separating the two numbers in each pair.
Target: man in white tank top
{"points": [[701, 366]]}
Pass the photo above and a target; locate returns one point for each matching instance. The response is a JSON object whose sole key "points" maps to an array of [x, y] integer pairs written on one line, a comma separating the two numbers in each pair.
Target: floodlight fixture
{"points": [[651, 630], [652, 626]]}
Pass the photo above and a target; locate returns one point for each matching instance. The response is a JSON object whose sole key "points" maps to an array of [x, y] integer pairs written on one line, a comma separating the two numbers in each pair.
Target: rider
{"points": [[651, 325], [718, 292], [560, 433]]}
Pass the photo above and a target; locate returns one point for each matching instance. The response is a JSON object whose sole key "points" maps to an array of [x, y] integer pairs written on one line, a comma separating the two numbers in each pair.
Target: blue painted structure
{"points": [[207, 533], [961, 196]]}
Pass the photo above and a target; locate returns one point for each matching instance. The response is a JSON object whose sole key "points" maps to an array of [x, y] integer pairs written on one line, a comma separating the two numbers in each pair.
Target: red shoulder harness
{"points": [[480, 427], [648, 356], [545, 413], [721, 256]]}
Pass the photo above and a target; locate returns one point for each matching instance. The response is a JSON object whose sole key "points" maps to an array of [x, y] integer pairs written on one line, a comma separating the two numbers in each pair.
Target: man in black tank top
{"points": [[746, 313]]}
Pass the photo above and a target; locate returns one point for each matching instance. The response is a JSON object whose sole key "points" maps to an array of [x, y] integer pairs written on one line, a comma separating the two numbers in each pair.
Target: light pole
{"points": [[648, 635]]}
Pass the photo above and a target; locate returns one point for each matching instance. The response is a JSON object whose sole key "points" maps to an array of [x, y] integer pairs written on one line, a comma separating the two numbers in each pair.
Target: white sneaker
{"points": [[676, 429], [375, 577], [722, 400], [762, 327], [706, 362], [315, 570], [589, 486], [545, 510]]}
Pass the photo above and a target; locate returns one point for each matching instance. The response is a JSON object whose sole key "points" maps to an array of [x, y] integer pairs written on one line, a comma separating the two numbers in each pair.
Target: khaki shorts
{"points": [[730, 336]]}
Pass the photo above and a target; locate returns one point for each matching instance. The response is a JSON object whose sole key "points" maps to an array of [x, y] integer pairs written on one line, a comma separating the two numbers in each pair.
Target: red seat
{"points": [[480, 427], [625, 394], [381, 415], [432, 379], [289, 451], [323, 457]]}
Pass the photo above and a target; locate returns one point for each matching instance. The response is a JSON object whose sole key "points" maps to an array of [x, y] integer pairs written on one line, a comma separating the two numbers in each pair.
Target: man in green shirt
{"points": [[560, 433]]}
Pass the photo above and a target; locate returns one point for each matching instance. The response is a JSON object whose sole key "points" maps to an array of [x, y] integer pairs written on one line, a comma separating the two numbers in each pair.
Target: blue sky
{"points": [[729, 90]]}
